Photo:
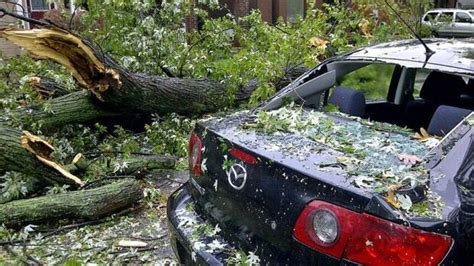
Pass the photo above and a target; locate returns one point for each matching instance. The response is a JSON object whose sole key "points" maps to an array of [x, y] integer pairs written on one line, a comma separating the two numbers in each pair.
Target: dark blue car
{"points": [[366, 159]]}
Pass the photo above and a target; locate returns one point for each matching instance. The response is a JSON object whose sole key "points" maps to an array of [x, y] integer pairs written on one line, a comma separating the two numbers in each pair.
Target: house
{"points": [[36, 9], [271, 10], [7, 48]]}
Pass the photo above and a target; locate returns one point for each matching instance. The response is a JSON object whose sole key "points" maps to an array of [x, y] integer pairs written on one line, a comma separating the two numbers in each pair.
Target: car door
{"points": [[463, 24], [445, 24]]}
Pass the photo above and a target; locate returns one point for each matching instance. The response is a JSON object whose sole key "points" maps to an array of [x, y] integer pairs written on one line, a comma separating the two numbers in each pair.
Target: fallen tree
{"points": [[26, 153], [84, 204], [113, 85], [110, 91], [119, 90], [74, 108]]}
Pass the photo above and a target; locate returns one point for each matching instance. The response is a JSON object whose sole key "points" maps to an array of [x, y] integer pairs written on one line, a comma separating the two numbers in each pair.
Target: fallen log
{"points": [[113, 85], [136, 165], [84, 204], [76, 107], [122, 91], [146, 163], [25, 153]]}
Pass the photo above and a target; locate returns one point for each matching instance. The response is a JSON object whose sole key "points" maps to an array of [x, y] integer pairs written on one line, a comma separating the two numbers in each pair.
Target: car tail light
{"points": [[378, 240], [366, 239], [195, 152], [243, 156], [307, 229]]}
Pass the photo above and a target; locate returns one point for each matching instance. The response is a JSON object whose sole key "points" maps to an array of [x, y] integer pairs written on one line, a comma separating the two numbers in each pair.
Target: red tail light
{"points": [[378, 240], [195, 152], [243, 156], [368, 240]]}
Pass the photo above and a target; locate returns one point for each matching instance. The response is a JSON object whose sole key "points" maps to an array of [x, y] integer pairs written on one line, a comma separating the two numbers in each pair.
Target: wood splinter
{"points": [[42, 150]]}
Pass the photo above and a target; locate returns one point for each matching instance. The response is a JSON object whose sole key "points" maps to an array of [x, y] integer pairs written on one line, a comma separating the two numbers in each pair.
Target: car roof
{"points": [[446, 9], [449, 55]]}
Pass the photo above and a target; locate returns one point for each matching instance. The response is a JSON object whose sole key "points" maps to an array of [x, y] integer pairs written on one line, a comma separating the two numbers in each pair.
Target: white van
{"points": [[450, 22]]}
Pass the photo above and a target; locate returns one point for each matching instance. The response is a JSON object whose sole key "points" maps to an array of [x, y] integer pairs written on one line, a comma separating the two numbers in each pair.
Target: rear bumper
{"points": [[191, 247], [190, 244]]}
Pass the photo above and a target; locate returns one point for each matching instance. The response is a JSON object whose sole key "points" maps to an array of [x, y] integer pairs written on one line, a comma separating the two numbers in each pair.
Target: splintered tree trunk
{"points": [[28, 154], [84, 204], [120, 90], [114, 86]]}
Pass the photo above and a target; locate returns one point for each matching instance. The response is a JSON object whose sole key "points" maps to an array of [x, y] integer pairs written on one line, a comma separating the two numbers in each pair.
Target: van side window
{"points": [[446, 17], [430, 16], [463, 17]]}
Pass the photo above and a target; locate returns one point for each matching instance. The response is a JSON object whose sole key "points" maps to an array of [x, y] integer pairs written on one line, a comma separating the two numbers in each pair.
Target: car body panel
{"points": [[260, 215]]}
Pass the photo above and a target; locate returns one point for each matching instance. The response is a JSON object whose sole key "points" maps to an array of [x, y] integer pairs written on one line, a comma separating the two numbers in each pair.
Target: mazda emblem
{"points": [[237, 176]]}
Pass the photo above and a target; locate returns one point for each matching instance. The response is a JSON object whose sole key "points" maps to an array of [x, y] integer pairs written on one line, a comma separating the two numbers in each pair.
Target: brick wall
{"points": [[266, 7], [241, 8]]}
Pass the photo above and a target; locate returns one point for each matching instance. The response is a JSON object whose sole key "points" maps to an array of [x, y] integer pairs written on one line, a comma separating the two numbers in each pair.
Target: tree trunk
{"points": [[76, 107], [136, 165], [119, 89], [24, 153], [114, 86], [84, 204]]}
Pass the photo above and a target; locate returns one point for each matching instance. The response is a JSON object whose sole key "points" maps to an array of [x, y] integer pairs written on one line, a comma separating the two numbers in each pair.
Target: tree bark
{"points": [[120, 90], [76, 107], [84, 204], [136, 165], [24, 153]]}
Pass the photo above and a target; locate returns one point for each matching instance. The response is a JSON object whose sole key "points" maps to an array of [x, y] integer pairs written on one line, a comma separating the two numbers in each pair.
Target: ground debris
{"points": [[137, 236]]}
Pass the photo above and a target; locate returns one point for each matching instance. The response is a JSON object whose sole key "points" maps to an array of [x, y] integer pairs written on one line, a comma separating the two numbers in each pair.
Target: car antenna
{"points": [[428, 51]]}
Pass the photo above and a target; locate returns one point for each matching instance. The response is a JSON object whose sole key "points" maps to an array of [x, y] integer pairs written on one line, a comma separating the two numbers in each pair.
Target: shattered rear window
{"points": [[371, 150]]}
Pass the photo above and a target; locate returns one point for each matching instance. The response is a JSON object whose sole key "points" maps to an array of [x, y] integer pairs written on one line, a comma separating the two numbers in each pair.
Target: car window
{"points": [[446, 17], [421, 75], [430, 16], [463, 17], [373, 80]]}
